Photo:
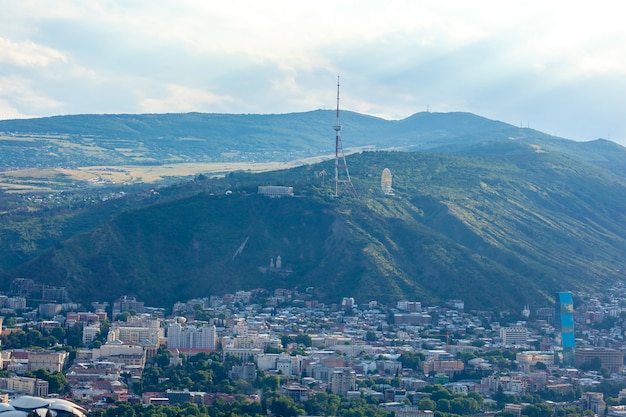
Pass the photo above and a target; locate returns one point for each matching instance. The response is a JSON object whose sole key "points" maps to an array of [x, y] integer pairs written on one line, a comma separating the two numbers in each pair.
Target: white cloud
{"points": [[19, 100], [504, 60], [178, 99], [28, 54]]}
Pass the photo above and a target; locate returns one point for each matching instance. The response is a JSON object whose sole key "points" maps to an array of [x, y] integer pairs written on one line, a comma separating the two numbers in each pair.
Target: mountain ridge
{"points": [[494, 231], [497, 215], [87, 140]]}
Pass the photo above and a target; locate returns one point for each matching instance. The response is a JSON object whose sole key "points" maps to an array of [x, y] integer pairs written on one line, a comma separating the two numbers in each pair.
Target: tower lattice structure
{"points": [[342, 181]]}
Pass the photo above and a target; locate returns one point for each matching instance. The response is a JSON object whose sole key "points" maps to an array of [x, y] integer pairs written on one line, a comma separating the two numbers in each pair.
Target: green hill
{"points": [[504, 224], [155, 139]]}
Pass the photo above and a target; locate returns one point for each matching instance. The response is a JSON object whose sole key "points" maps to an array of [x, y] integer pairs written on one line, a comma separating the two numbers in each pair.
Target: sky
{"points": [[555, 66]]}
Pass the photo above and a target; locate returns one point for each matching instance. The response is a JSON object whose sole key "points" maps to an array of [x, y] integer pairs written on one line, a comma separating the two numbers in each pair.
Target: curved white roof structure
{"points": [[21, 406]]}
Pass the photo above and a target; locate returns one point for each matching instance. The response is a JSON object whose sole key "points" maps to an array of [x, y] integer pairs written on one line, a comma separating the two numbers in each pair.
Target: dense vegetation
{"points": [[502, 230], [488, 219]]}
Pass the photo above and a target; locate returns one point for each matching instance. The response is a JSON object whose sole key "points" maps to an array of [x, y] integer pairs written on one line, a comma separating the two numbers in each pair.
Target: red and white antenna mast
{"points": [[340, 158]]}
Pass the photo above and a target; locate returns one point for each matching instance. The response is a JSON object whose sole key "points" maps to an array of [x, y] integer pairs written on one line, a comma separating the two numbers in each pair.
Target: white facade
{"points": [[90, 333], [514, 335], [284, 365], [191, 337], [276, 191], [151, 332], [342, 380]]}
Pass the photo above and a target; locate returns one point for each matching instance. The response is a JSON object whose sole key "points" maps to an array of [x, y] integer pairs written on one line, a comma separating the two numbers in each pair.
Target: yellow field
{"points": [[57, 179]]}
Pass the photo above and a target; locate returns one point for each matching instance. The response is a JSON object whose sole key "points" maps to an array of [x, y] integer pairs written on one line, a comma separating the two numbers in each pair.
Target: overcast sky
{"points": [[555, 66]]}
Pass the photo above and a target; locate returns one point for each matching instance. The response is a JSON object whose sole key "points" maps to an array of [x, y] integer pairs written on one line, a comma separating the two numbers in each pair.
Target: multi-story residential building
{"points": [[246, 371], [443, 366], [342, 380], [514, 335], [246, 355], [138, 330], [49, 360], [202, 338], [532, 357], [389, 367], [283, 365], [126, 303], [84, 317], [611, 359], [296, 392], [240, 328], [508, 384], [408, 411], [594, 401], [29, 386], [90, 333], [15, 303], [125, 354], [410, 306], [412, 318]]}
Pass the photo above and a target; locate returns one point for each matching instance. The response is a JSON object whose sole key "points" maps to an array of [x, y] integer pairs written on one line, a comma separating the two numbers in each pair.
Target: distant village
{"points": [[570, 355]]}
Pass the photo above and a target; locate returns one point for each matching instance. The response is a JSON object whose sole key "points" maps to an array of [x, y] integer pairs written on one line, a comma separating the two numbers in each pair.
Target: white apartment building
{"points": [[191, 337], [342, 380], [90, 333], [514, 335], [137, 332]]}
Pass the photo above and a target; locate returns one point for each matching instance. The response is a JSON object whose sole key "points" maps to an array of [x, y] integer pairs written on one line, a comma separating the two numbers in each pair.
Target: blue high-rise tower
{"points": [[564, 328]]}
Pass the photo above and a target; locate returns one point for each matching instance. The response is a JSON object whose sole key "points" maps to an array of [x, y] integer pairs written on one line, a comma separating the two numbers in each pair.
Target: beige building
{"points": [[611, 359], [532, 357], [413, 412], [122, 353], [443, 366], [23, 385], [46, 359], [246, 355], [342, 380], [594, 401], [152, 332]]}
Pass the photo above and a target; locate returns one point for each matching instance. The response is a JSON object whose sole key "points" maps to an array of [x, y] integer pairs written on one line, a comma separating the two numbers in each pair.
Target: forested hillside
{"points": [[503, 226]]}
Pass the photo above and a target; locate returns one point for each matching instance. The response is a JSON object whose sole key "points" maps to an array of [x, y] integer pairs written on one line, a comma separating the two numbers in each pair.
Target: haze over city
{"points": [[552, 66]]}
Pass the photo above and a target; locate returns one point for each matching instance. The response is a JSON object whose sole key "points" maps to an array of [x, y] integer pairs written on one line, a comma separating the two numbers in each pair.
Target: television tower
{"points": [[344, 182]]}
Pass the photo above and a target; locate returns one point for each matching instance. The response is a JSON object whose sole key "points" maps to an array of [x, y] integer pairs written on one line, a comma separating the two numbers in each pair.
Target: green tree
{"points": [[74, 336], [56, 380], [478, 397], [443, 405], [270, 383], [411, 359], [440, 392], [464, 405], [370, 336], [426, 403], [304, 339], [284, 406], [538, 410], [122, 410]]}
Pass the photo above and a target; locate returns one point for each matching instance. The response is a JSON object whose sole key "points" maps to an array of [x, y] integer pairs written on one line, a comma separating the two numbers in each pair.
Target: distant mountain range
{"points": [[496, 215], [153, 139]]}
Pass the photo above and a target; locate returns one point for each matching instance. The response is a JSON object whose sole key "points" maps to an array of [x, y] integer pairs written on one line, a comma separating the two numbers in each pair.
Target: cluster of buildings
{"points": [[344, 344]]}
